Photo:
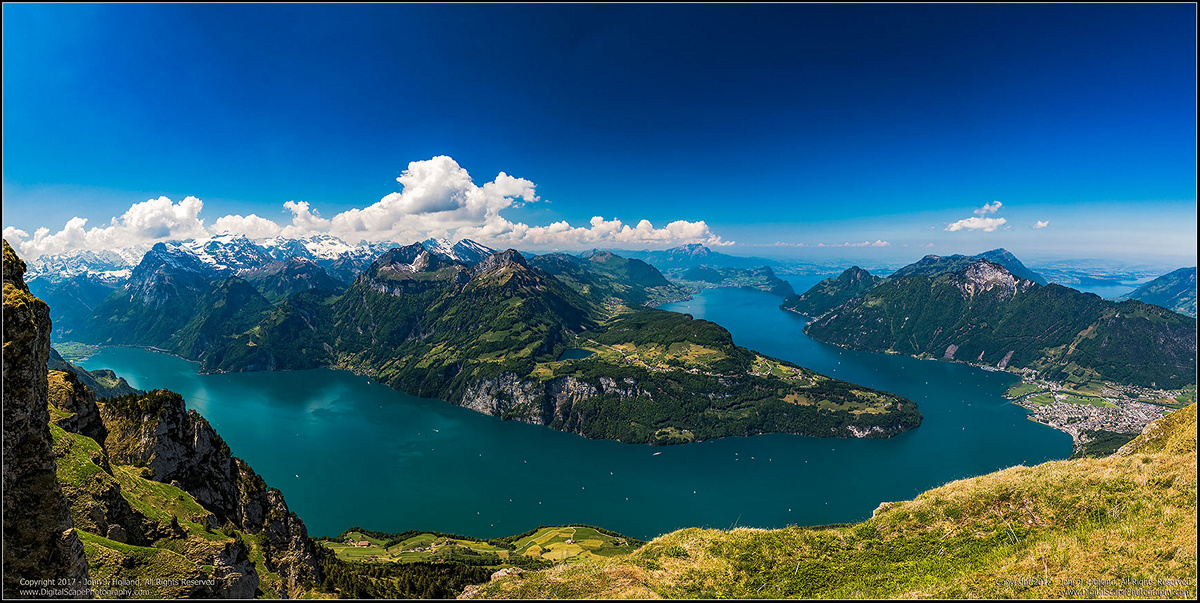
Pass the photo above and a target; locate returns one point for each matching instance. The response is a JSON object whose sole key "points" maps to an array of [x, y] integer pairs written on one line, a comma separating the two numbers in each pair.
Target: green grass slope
{"points": [[1121, 526]]}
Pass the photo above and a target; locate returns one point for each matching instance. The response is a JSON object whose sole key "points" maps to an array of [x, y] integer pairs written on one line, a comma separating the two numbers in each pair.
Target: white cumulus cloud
{"points": [[979, 222], [989, 208], [438, 198], [252, 226], [984, 224], [146, 222], [1042, 224]]}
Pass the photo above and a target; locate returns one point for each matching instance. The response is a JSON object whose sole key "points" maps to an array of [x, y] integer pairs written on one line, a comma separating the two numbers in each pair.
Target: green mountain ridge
{"points": [[831, 293], [279, 280], [488, 337], [1173, 291], [231, 307], [610, 279], [933, 265], [973, 310]]}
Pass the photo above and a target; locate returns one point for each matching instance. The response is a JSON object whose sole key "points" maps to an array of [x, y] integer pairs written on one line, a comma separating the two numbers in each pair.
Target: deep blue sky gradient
{"points": [[792, 123]]}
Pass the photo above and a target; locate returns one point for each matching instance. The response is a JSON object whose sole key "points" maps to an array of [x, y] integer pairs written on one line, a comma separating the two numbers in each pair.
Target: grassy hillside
{"points": [[534, 548], [690, 382], [427, 565], [1121, 526]]}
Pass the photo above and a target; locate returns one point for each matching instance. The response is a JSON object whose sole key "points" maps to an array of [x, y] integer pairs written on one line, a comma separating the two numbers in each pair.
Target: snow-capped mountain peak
{"points": [[228, 251], [465, 251]]}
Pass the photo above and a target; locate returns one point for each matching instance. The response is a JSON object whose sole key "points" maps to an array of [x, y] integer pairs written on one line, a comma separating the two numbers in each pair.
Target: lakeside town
{"points": [[1082, 410]]}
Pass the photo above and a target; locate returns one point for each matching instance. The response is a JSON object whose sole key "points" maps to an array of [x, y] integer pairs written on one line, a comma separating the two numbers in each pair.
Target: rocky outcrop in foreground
{"points": [[40, 543], [179, 447], [136, 486]]}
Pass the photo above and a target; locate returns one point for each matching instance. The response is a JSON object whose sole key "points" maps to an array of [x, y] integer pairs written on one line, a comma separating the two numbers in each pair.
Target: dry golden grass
{"points": [[1117, 527]]}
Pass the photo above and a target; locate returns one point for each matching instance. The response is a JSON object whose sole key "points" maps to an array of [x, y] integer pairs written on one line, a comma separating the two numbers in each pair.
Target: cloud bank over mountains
{"points": [[438, 198]]}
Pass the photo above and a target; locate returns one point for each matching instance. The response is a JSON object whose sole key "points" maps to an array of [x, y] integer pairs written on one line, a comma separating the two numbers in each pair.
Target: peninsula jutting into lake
{"points": [[392, 301]]}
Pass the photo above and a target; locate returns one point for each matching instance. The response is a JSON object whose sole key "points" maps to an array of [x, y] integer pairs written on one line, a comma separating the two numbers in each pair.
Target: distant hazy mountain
{"points": [[608, 278], [762, 279], [691, 256], [1175, 291], [72, 300], [107, 267], [976, 310]]}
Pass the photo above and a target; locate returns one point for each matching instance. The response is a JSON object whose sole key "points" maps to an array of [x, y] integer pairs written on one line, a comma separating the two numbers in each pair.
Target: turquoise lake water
{"points": [[346, 451]]}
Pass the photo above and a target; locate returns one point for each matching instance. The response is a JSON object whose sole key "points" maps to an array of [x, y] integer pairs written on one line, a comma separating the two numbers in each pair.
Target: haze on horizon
{"points": [[794, 131]]}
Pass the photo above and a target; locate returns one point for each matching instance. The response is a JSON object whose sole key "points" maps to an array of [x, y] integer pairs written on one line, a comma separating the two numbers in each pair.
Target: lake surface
{"points": [[574, 354], [347, 451], [1106, 291]]}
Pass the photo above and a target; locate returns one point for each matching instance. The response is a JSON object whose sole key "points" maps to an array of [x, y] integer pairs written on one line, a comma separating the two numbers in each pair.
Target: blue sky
{"points": [[776, 127]]}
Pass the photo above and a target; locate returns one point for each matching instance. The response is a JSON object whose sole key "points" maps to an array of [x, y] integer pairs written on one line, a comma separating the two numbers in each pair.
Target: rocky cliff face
{"points": [[541, 402], [179, 447], [75, 405], [39, 537], [985, 276]]}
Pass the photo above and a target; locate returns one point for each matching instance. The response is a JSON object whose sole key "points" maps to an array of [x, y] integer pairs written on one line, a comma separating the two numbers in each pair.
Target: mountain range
{"points": [[973, 309], [482, 331]]}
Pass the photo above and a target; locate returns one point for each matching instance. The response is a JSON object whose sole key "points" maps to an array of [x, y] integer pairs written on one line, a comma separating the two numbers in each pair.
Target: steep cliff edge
{"points": [[40, 542], [135, 529], [133, 496], [179, 447]]}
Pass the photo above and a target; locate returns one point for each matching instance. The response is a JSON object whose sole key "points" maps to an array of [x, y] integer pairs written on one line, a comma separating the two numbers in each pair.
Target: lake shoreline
{"points": [[347, 450]]}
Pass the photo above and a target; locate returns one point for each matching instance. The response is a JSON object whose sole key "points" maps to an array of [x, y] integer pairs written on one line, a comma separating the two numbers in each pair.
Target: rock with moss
{"points": [[92, 492], [178, 446], [40, 542], [73, 406]]}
